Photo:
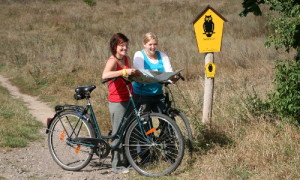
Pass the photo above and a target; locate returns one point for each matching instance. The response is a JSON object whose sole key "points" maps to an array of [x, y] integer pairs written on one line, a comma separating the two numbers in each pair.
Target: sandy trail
{"points": [[35, 161], [38, 109]]}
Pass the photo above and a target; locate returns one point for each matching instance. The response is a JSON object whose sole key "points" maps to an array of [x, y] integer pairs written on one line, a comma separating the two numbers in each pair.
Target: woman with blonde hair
{"points": [[150, 59]]}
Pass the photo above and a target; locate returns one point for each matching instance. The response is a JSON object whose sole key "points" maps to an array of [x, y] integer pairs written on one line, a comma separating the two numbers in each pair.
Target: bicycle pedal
{"points": [[96, 164]]}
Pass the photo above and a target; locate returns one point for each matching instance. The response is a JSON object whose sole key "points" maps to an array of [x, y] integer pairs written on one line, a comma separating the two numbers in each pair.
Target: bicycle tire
{"points": [[70, 156], [163, 152], [184, 125]]}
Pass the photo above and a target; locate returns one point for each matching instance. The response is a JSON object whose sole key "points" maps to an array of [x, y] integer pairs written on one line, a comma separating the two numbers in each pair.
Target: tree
{"points": [[285, 22], [286, 26]]}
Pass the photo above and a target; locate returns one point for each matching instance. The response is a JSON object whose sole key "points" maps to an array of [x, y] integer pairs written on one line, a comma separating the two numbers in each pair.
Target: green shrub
{"points": [[286, 99], [90, 2], [258, 107]]}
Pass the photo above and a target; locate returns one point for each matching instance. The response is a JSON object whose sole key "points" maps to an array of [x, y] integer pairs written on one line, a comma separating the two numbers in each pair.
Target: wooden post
{"points": [[208, 93], [208, 33]]}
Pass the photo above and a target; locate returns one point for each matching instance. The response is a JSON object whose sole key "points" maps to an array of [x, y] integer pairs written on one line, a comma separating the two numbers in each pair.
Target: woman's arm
{"points": [[166, 62], [110, 69], [138, 60]]}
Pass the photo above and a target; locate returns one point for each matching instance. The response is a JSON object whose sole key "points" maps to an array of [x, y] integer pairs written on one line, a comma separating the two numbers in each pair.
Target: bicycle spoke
{"points": [[162, 154], [68, 155]]}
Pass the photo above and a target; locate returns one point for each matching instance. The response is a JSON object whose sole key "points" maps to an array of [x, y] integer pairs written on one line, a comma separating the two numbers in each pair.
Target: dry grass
{"points": [[49, 48]]}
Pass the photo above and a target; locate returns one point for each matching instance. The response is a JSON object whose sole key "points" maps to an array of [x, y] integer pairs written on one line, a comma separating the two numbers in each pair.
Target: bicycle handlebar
{"points": [[181, 77], [108, 79], [113, 79], [171, 82]]}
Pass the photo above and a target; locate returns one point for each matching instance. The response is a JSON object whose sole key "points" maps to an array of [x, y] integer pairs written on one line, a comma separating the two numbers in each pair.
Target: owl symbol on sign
{"points": [[208, 26]]}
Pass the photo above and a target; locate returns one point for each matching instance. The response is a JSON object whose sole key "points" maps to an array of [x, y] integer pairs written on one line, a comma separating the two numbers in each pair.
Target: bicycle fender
{"points": [[49, 122]]}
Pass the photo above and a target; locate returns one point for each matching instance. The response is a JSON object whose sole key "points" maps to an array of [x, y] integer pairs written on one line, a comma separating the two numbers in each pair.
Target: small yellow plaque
{"points": [[208, 26], [210, 70]]}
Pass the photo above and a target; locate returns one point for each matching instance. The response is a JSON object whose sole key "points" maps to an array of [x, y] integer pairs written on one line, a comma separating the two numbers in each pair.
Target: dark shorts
{"points": [[151, 103]]}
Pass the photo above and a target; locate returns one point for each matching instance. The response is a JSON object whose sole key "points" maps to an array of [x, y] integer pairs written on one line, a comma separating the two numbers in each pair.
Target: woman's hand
{"points": [[133, 72], [175, 79]]}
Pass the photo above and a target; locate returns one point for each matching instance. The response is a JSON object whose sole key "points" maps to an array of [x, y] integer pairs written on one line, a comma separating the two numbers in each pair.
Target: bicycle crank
{"points": [[102, 149]]}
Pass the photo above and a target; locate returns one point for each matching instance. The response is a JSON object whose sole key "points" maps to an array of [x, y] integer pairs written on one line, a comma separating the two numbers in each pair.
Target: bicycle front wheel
{"points": [[184, 125], [66, 154], [156, 148]]}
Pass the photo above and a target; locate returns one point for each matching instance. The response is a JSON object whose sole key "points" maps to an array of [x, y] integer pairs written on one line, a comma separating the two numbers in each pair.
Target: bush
{"points": [[257, 107], [286, 99], [90, 2]]}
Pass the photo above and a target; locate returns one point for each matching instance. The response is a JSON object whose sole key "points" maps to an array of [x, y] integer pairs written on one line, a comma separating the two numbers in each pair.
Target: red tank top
{"points": [[117, 91]]}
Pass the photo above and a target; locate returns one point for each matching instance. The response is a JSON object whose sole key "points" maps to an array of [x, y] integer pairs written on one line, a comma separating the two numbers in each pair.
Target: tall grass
{"points": [[50, 47]]}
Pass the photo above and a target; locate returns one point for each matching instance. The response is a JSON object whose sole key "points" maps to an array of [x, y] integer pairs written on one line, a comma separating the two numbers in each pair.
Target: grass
{"points": [[50, 47], [17, 128]]}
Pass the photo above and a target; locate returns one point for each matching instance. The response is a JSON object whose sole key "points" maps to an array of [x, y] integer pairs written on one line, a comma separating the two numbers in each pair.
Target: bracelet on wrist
{"points": [[124, 72]]}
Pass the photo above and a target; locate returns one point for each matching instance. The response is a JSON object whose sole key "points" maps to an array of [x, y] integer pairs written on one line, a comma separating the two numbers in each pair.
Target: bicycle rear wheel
{"points": [[68, 155], [158, 148]]}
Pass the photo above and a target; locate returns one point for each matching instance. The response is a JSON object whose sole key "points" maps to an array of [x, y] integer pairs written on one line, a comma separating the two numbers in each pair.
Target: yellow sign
{"points": [[210, 70], [208, 27]]}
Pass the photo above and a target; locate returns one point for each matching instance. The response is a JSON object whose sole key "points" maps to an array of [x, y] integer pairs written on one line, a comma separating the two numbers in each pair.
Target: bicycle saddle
{"points": [[83, 92]]}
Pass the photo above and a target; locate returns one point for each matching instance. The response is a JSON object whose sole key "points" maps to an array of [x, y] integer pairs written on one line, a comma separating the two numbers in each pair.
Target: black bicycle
{"points": [[181, 120], [153, 143], [175, 114]]}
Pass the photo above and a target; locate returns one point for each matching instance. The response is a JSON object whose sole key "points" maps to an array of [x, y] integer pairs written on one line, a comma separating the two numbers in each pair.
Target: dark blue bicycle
{"points": [[153, 142]]}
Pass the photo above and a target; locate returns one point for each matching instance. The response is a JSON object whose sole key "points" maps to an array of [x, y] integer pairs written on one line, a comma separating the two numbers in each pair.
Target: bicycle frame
{"points": [[168, 102], [127, 117], [153, 143], [119, 134]]}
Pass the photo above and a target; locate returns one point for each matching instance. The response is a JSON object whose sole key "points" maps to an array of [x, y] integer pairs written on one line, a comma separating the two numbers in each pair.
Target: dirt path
{"points": [[35, 161]]}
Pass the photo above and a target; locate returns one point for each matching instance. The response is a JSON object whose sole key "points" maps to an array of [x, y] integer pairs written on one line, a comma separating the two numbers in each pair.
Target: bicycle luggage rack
{"points": [[60, 108]]}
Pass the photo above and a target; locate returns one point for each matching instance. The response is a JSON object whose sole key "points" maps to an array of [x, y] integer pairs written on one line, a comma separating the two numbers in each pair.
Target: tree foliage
{"points": [[285, 100], [286, 24]]}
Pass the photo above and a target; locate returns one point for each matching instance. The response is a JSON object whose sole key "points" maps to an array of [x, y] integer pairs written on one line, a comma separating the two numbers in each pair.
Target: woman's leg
{"points": [[119, 160]]}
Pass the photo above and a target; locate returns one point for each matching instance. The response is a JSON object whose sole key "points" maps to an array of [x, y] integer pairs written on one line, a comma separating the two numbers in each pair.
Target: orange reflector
{"points": [[77, 149], [62, 135], [151, 131]]}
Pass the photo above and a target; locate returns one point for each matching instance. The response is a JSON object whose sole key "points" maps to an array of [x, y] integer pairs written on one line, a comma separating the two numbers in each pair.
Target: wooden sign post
{"points": [[208, 26]]}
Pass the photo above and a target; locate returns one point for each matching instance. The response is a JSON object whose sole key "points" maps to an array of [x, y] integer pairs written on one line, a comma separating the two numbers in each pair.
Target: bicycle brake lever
{"points": [[181, 77]]}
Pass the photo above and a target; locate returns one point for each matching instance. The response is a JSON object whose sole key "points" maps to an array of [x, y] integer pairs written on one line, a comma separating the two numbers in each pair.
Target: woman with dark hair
{"points": [[118, 64]]}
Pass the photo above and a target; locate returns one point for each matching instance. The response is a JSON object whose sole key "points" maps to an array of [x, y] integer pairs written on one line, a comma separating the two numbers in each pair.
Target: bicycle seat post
{"points": [[88, 102]]}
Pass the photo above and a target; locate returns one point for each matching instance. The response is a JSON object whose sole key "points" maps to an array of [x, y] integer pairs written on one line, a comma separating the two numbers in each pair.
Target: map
{"points": [[150, 76]]}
